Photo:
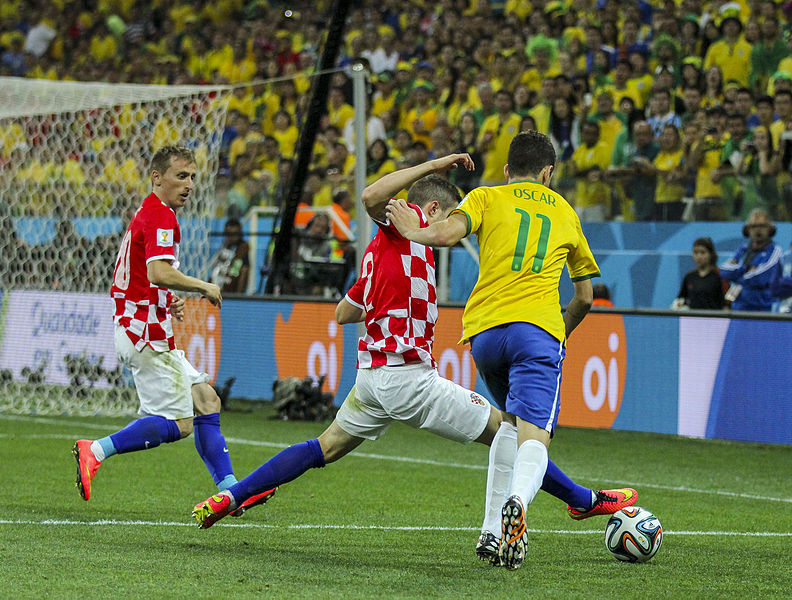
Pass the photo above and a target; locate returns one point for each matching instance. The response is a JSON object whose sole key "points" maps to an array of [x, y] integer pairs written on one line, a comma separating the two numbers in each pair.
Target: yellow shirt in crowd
{"points": [[498, 153], [589, 193]]}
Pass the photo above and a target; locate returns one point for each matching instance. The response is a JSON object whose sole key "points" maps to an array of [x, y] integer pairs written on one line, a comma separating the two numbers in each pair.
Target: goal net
{"points": [[74, 166]]}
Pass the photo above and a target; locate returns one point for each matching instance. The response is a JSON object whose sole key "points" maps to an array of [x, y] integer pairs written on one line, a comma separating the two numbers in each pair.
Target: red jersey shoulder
{"points": [[390, 230], [154, 213]]}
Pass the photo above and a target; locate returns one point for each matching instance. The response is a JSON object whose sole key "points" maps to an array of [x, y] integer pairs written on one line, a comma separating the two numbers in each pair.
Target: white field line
{"points": [[404, 459], [114, 522]]}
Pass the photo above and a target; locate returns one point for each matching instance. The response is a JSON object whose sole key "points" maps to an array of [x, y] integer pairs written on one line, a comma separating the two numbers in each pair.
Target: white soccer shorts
{"points": [[414, 394], [163, 379]]}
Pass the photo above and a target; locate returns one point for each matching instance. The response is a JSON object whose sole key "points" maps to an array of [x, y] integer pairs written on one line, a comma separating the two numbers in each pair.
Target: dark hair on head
{"points": [[529, 153], [233, 222], [340, 195], [745, 90], [625, 62], [162, 158], [706, 242], [764, 100], [590, 123], [601, 291], [434, 187], [782, 93]]}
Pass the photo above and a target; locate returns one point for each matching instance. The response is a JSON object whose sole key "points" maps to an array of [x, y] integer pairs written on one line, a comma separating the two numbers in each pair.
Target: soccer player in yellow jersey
{"points": [[526, 234]]}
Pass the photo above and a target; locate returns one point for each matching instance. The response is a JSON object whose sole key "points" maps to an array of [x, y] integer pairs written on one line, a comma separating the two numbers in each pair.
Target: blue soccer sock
{"points": [[212, 448], [285, 466], [103, 448], [556, 483], [145, 433]]}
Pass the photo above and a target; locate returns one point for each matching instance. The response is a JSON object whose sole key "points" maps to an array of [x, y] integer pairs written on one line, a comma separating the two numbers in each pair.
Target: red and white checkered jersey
{"points": [[397, 290], [140, 306]]}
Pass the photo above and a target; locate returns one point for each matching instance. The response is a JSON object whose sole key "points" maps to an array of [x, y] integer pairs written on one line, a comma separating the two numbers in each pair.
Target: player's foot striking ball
{"points": [[607, 503]]}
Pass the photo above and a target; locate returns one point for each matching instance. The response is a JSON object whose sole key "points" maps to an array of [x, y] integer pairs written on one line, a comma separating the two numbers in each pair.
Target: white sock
{"points": [[233, 505], [529, 471], [97, 450], [502, 455]]}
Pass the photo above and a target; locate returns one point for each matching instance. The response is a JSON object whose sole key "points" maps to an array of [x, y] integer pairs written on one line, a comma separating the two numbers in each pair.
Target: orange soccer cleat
{"points": [[87, 466], [211, 510], [607, 503], [253, 501]]}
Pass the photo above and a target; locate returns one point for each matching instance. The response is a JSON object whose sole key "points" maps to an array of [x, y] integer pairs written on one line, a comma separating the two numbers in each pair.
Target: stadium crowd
{"points": [[659, 111]]}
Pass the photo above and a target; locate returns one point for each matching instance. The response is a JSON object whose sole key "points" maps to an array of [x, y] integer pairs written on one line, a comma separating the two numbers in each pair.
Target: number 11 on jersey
{"points": [[522, 241]]}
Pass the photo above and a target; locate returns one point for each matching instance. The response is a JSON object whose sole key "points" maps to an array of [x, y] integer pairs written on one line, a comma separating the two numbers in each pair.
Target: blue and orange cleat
{"points": [[607, 503], [87, 466], [252, 501], [211, 510]]}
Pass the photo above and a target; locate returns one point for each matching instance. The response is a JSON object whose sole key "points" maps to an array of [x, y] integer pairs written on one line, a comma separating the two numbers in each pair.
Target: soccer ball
{"points": [[633, 534]]}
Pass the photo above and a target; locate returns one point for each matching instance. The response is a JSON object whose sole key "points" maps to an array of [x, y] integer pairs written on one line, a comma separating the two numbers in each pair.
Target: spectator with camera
{"points": [[230, 266], [740, 141], [759, 167], [755, 268]]}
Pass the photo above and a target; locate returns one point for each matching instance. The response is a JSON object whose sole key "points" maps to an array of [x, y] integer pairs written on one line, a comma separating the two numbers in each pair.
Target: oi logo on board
{"points": [[595, 367], [310, 344], [454, 360], [200, 335]]}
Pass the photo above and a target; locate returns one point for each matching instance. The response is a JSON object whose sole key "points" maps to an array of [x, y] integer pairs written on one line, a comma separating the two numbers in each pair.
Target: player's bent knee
{"points": [[205, 399], [335, 443], [493, 423], [185, 427]]}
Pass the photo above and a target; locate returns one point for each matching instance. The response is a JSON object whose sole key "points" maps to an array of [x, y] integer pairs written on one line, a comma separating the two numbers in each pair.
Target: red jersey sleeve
{"points": [[161, 236], [355, 294]]}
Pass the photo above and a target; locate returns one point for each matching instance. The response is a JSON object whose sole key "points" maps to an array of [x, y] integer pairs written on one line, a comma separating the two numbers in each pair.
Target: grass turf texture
{"points": [[267, 552]]}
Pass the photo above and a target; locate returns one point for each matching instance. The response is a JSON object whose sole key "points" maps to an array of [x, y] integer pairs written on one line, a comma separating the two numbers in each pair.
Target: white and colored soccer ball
{"points": [[633, 534]]}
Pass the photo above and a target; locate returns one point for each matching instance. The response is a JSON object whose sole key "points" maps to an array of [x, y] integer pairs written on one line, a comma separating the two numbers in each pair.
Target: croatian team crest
{"points": [[476, 399]]}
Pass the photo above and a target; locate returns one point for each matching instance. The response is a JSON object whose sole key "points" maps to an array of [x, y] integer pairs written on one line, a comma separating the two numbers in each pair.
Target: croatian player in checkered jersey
{"points": [[526, 234], [397, 379], [175, 399]]}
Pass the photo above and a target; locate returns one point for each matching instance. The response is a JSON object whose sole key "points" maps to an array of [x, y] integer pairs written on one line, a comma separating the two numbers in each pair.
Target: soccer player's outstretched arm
{"points": [[161, 273], [442, 233], [579, 306], [376, 196]]}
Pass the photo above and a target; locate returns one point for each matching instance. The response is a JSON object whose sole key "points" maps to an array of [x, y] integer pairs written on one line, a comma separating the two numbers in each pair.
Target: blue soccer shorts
{"points": [[521, 365]]}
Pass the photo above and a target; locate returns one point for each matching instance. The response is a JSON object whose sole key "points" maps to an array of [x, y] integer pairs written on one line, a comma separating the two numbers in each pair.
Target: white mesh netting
{"points": [[74, 166]]}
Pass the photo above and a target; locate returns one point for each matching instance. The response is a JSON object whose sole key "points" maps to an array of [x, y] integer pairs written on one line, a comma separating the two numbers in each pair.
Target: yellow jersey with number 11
{"points": [[526, 234]]}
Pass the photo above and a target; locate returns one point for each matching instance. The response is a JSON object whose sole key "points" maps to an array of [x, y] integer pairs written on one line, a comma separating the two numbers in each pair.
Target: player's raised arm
{"points": [[376, 196], [442, 233]]}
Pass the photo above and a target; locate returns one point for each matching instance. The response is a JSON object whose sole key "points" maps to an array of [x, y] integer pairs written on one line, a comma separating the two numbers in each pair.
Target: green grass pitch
{"points": [[398, 518]]}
